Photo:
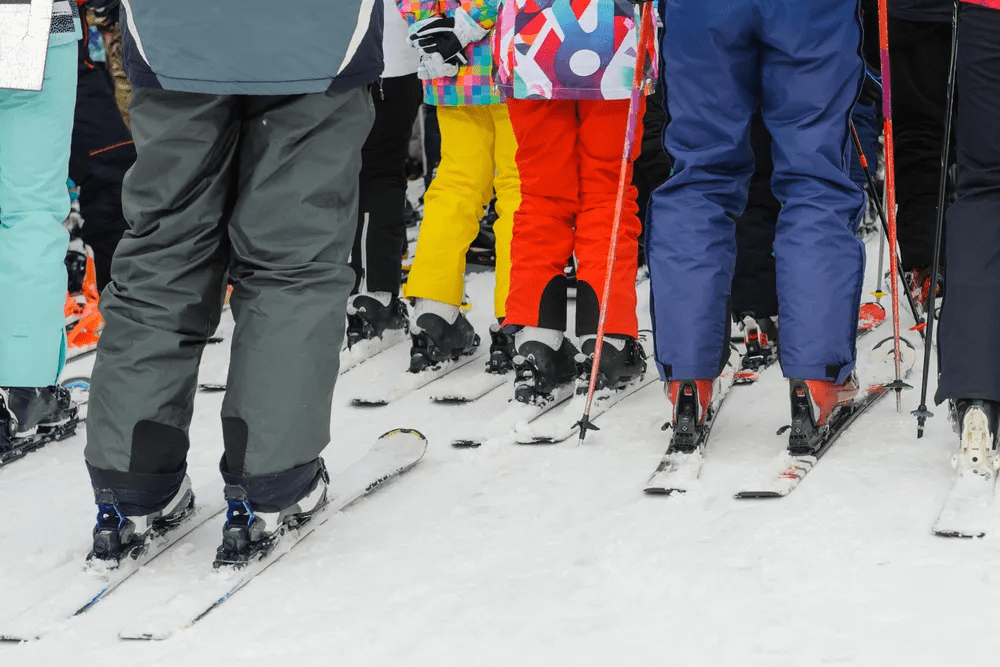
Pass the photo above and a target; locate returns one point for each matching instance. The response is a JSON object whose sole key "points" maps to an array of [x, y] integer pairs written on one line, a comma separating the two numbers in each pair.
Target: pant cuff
{"points": [[136, 493], [275, 492]]}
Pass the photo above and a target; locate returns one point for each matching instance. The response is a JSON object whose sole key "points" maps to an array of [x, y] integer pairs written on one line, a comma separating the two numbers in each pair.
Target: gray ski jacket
{"points": [[252, 47]]}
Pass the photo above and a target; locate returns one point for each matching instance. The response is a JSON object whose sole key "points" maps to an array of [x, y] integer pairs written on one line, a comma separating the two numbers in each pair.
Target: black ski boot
{"points": [[33, 416], [617, 366], [691, 400], [502, 351], [367, 318], [976, 422], [118, 536], [435, 341], [761, 339], [539, 370], [249, 535]]}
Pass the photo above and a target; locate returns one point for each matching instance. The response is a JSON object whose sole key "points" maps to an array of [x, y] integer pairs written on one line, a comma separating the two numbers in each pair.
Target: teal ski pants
{"points": [[35, 134]]}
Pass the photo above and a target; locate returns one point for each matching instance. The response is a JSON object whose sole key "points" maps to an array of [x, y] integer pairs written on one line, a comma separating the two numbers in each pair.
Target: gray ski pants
{"points": [[262, 191]]}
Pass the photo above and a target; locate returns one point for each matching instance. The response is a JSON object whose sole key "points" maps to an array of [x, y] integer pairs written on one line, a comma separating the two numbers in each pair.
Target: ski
{"points": [[680, 467], [363, 350], [392, 454], [969, 509], [791, 467], [96, 580], [470, 384], [516, 415], [751, 368], [561, 425], [405, 383]]}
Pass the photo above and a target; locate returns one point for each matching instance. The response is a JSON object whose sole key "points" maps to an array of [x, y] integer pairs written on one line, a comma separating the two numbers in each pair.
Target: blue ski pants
{"points": [[35, 135], [800, 63]]}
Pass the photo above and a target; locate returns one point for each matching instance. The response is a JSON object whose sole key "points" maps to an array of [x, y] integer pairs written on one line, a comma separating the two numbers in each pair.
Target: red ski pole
{"points": [[645, 34], [890, 189]]}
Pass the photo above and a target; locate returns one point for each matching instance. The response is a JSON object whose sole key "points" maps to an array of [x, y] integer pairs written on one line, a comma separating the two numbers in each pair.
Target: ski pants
{"points": [[569, 154], [381, 235], [477, 156], [800, 63], [102, 152], [920, 55], [968, 354], [35, 129], [262, 190]]}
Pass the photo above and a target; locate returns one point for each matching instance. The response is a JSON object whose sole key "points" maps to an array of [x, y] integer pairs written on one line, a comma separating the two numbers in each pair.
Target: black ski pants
{"points": [[920, 55], [381, 235], [102, 151], [968, 353]]}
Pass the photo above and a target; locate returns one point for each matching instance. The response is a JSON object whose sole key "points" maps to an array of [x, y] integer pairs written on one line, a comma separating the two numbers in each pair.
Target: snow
{"points": [[542, 555]]}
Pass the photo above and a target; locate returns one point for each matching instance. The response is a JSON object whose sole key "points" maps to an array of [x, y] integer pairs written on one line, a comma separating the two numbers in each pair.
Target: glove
{"points": [[446, 36], [433, 66]]}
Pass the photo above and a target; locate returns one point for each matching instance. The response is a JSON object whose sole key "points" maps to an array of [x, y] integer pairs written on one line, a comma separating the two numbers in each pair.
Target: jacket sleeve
{"points": [[483, 12], [418, 10]]}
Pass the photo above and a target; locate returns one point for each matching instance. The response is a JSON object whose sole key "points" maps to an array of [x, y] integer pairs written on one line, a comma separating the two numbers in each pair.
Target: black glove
{"points": [[437, 35]]}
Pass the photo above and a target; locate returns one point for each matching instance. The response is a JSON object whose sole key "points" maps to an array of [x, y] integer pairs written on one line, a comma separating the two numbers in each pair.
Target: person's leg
{"points": [[453, 204], [967, 350], [381, 232], [547, 163], [35, 129], [291, 232], [808, 88], [102, 152], [920, 54], [165, 298], [600, 144], [507, 184], [754, 289], [710, 70]]}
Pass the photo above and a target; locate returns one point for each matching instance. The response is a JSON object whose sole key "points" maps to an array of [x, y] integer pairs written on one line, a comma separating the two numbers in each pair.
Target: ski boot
{"points": [[502, 351], [33, 416], [369, 316], [976, 422], [118, 536], [540, 368], [919, 282], [761, 339], [622, 360], [435, 340], [815, 403], [249, 535], [692, 400]]}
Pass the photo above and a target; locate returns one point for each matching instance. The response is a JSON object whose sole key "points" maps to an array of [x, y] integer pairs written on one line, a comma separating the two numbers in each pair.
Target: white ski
{"points": [[95, 580], [470, 384], [563, 424], [406, 382], [392, 454], [516, 415]]}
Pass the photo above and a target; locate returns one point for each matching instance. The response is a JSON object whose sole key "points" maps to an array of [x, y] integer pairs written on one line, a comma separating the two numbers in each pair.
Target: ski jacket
{"points": [[248, 47], [569, 49], [992, 4], [65, 27], [473, 85]]}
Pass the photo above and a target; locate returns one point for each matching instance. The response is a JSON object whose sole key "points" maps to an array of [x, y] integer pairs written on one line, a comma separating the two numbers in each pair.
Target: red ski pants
{"points": [[568, 156]]}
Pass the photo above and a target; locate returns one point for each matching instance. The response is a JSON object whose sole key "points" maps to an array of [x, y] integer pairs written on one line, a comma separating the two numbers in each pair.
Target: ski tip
{"points": [[662, 491], [369, 402], [466, 444], [403, 431], [757, 495], [131, 635], [952, 533]]}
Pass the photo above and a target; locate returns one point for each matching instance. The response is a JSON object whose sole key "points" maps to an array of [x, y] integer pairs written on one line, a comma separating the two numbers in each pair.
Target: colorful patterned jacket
{"points": [[474, 83], [569, 49]]}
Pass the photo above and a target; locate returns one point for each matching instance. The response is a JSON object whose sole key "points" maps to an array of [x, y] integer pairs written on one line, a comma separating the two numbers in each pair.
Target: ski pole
{"points": [[890, 190], [922, 413], [645, 34], [885, 228]]}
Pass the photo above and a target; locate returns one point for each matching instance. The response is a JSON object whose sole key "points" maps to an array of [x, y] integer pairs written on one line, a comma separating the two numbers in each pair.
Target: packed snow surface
{"points": [[550, 554]]}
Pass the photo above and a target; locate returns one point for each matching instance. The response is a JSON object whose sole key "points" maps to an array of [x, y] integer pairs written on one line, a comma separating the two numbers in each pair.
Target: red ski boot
{"points": [[814, 404]]}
